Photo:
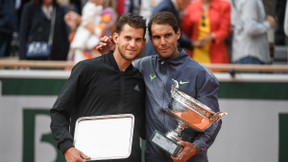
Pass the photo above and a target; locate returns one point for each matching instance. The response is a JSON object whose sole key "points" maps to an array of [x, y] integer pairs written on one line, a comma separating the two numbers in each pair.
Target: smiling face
{"points": [[129, 42], [164, 40]]}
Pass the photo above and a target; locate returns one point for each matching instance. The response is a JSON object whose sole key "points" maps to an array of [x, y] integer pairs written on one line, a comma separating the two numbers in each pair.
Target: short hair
{"points": [[163, 18], [132, 20]]}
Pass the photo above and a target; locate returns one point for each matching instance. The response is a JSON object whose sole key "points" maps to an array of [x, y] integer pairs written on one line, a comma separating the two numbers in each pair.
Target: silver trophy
{"points": [[188, 112]]}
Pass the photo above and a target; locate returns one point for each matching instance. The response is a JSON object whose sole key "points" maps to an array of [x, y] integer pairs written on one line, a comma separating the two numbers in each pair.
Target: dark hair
{"points": [[163, 18], [40, 2], [134, 21]]}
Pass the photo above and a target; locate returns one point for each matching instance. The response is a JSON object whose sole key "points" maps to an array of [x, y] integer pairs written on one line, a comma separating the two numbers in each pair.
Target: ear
{"points": [[178, 34], [115, 37], [144, 41]]}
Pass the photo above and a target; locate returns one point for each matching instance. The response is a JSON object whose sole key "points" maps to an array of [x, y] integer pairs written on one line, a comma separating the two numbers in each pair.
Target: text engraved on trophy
{"points": [[165, 143]]}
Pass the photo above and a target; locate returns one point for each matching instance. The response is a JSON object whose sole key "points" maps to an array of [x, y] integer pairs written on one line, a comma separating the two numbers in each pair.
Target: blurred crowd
{"points": [[213, 31]]}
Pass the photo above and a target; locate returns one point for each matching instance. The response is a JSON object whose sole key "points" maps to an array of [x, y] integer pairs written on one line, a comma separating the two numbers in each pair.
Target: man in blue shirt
{"points": [[158, 72]]}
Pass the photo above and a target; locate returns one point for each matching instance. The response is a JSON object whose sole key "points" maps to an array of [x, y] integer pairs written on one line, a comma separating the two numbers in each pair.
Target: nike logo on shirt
{"points": [[181, 82], [152, 77]]}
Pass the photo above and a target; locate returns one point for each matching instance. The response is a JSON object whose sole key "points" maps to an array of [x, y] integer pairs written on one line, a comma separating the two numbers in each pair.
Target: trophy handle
{"points": [[175, 84], [216, 117]]}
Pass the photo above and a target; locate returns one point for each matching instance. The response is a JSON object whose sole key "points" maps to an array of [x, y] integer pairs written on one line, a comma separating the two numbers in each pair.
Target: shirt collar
{"points": [[177, 60], [45, 11], [114, 63]]}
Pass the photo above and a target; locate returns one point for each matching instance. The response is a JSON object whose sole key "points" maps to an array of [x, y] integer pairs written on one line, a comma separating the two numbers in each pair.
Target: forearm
{"points": [[207, 94], [60, 129], [251, 17], [205, 139]]}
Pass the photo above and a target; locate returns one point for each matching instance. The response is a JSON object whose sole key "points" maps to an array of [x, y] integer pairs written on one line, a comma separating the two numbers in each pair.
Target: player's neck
{"points": [[122, 63]]}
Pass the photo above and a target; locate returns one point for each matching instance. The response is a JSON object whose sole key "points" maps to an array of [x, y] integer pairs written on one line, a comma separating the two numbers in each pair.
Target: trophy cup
{"points": [[188, 112]]}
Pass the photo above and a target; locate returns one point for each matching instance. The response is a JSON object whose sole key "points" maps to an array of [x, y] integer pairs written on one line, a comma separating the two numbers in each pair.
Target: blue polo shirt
{"points": [[195, 80]]}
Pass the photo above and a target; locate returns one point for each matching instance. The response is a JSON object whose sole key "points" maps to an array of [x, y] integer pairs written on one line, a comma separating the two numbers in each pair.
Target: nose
{"points": [[163, 41], [132, 43]]}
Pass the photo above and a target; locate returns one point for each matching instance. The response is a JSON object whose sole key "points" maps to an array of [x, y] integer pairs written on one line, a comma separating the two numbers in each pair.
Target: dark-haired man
{"points": [[105, 85], [158, 72]]}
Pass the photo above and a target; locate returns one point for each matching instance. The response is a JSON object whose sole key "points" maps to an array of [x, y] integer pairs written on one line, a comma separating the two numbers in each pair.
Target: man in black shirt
{"points": [[105, 85]]}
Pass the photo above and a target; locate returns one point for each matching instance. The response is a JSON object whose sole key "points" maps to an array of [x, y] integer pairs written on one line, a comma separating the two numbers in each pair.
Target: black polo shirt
{"points": [[97, 87]]}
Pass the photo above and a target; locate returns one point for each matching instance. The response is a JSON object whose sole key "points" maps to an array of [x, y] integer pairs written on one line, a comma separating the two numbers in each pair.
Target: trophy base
{"points": [[165, 143]]}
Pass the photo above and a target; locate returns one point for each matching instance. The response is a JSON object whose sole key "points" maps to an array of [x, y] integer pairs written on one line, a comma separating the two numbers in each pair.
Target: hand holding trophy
{"points": [[188, 112]]}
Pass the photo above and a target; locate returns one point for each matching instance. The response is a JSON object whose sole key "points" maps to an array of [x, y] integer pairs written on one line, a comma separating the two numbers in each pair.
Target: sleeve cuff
{"points": [[267, 25], [63, 146], [200, 147]]}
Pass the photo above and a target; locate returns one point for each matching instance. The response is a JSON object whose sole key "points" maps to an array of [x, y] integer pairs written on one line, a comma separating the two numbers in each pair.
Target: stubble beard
{"points": [[123, 56]]}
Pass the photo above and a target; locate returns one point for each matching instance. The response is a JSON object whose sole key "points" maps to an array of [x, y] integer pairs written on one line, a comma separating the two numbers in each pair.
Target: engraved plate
{"points": [[165, 143]]}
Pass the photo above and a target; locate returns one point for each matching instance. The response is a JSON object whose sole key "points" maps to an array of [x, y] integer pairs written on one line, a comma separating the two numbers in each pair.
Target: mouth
{"points": [[131, 50], [164, 49]]}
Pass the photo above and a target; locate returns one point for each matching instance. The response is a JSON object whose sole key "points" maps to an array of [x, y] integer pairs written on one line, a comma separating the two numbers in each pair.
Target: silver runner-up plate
{"points": [[105, 137]]}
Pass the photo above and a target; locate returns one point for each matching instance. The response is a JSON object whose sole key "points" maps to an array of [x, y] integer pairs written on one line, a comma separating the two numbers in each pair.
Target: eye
{"points": [[139, 39], [168, 35], [127, 38], [156, 37]]}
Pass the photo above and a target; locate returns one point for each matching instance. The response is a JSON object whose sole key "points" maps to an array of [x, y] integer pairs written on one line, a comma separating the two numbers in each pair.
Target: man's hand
{"points": [[186, 153], [207, 40], [204, 41], [106, 45], [74, 155], [271, 21]]}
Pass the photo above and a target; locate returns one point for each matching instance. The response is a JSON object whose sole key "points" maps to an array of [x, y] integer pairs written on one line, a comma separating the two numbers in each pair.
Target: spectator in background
{"points": [[96, 20], [269, 6], [280, 37], [8, 25], [35, 26], [147, 7], [286, 20], [78, 4], [120, 7], [175, 7], [207, 23], [250, 42]]}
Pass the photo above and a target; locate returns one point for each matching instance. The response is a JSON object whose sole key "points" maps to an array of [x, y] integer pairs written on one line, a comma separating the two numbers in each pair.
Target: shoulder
{"points": [[29, 10], [30, 5], [144, 62], [163, 6], [198, 69], [205, 74], [194, 4], [222, 3], [89, 65], [225, 3], [202, 75], [61, 9]]}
